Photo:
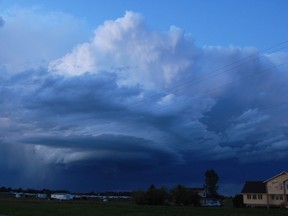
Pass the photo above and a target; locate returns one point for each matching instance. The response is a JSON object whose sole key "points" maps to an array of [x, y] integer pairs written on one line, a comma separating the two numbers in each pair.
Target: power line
{"points": [[217, 72], [231, 82], [242, 61], [214, 73], [282, 103]]}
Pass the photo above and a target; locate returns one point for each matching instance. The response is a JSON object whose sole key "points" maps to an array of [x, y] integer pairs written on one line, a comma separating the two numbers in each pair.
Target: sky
{"points": [[118, 95]]}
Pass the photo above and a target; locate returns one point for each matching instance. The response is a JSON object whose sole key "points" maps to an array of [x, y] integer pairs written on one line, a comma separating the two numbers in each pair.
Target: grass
{"points": [[91, 208]]}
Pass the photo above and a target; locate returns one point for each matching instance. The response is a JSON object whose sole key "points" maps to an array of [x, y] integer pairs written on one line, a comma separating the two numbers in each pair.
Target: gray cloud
{"points": [[107, 148]]}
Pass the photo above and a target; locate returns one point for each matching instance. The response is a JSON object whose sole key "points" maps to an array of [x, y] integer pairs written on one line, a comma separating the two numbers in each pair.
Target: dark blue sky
{"points": [[138, 102]]}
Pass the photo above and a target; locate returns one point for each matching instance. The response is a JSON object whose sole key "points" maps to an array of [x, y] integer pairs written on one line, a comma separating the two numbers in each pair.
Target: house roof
{"points": [[254, 187], [282, 173], [197, 189]]}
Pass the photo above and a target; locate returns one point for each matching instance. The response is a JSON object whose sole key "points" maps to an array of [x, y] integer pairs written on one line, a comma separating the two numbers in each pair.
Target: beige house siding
{"points": [[276, 185], [276, 199], [202, 193], [255, 199], [277, 189]]}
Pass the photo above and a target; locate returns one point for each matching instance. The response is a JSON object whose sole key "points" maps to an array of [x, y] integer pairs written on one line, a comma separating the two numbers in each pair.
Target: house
{"points": [[62, 196], [271, 192], [200, 191]]}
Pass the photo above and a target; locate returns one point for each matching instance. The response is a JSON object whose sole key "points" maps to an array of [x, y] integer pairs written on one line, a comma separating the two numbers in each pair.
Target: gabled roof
{"points": [[282, 173], [254, 187]]}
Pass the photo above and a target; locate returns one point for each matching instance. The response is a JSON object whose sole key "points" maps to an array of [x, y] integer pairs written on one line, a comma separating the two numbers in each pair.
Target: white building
{"points": [[62, 196], [19, 195], [42, 196]]}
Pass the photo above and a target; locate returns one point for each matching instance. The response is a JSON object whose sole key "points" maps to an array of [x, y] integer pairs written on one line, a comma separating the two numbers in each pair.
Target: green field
{"points": [[89, 208]]}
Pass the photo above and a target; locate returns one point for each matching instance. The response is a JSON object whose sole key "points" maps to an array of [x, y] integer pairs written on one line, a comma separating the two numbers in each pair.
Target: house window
{"points": [[273, 197], [254, 196], [259, 196], [248, 196], [281, 197]]}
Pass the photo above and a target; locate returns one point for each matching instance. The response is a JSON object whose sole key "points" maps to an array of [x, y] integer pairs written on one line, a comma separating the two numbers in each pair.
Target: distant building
{"points": [[19, 195], [271, 192], [200, 191], [42, 196], [25, 195], [62, 196]]}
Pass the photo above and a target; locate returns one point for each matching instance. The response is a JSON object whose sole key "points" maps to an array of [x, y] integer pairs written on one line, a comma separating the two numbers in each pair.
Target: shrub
{"points": [[238, 201], [139, 197]]}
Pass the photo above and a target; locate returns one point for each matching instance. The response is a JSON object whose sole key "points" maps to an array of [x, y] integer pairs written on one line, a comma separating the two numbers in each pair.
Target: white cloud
{"points": [[50, 155], [252, 116], [246, 124], [147, 57]]}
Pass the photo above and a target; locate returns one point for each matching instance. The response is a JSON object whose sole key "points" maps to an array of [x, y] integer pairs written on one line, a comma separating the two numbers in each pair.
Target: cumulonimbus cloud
{"points": [[127, 65], [135, 52], [132, 84]]}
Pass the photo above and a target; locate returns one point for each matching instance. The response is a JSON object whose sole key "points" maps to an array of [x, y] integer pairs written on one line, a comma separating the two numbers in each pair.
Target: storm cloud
{"points": [[132, 99]]}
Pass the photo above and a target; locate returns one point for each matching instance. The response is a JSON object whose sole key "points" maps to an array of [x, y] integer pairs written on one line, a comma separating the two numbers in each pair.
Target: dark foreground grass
{"points": [[86, 208]]}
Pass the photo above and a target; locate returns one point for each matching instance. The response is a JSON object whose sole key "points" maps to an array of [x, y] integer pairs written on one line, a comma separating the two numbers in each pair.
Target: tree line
{"points": [[180, 195], [31, 191]]}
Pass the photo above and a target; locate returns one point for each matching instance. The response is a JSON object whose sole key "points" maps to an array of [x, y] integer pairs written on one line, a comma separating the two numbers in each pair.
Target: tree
{"points": [[156, 196], [139, 197], [180, 195], [184, 196], [153, 196], [211, 183], [238, 201]]}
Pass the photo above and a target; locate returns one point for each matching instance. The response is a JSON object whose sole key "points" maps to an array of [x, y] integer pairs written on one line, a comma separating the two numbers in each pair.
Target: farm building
{"points": [[42, 196], [62, 196], [19, 195], [25, 195]]}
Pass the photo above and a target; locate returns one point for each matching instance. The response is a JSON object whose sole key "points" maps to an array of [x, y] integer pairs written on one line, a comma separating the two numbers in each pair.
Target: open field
{"points": [[15, 207]]}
